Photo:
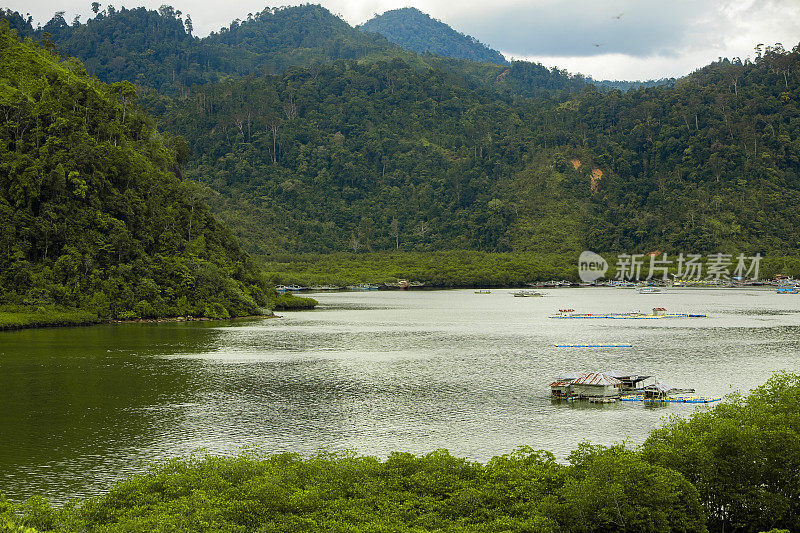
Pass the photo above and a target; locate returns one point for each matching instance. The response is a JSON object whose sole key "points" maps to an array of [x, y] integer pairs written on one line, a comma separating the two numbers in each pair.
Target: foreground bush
{"points": [[743, 457], [523, 491]]}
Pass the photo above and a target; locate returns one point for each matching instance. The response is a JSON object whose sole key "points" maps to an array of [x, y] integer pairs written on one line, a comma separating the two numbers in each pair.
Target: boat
{"points": [[363, 287], [483, 291], [320, 288], [788, 290], [648, 290], [526, 294], [290, 288]]}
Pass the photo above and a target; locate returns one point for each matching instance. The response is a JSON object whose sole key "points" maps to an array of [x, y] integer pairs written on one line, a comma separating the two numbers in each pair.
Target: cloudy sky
{"points": [[614, 39]]}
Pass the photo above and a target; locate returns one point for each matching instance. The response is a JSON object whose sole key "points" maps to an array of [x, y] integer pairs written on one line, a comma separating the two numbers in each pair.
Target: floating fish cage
{"points": [[657, 313], [594, 346], [671, 399]]}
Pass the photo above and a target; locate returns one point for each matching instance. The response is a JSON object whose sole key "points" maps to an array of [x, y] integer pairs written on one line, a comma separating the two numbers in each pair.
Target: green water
{"points": [[372, 372]]}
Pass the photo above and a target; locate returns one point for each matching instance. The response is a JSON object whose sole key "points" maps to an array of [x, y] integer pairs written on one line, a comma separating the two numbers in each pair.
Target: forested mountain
{"points": [[156, 49], [92, 214], [372, 156], [414, 30], [423, 152]]}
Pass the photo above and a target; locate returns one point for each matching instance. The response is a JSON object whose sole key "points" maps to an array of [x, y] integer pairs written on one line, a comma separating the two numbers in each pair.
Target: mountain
{"points": [[366, 156], [156, 49], [92, 214], [396, 150], [414, 30]]}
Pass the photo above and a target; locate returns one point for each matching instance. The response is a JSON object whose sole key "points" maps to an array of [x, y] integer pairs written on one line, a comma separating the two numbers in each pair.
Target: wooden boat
{"points": [[526, 294]]}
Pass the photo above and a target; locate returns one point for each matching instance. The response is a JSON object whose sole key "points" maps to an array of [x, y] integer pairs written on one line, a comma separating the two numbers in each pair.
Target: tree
{"points": [[394, 231], [95, 7], [743, 457]]}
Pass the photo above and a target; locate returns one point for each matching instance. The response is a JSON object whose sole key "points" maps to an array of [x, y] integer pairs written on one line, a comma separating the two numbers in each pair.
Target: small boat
{"points": [[648, 290], [483, 291], [788, 290], [363, 287], [319, 288], [526, 294], [290, 288]]}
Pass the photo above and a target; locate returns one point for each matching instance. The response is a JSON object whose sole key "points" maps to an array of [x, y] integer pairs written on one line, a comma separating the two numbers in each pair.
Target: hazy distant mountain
{"points": [[414, 30]]}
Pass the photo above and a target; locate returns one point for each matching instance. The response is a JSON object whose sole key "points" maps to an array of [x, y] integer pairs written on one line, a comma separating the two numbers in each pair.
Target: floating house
{"points": [[656, 391], [596, 385], [562, 386], [629, 381]]}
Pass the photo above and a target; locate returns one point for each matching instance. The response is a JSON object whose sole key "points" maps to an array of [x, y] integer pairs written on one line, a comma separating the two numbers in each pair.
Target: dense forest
{"points": [[733, 468], [381, 156], [93, 213], [156, 48], [305, 135], [414, 30]]}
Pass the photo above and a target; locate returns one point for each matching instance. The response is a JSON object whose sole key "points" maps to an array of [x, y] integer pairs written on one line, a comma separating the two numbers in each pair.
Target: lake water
{"points": [[373, 372]]}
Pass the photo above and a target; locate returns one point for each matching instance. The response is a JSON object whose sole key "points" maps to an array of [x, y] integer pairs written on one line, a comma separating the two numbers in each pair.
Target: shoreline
{"points": [[101, 322], [184, 319]]}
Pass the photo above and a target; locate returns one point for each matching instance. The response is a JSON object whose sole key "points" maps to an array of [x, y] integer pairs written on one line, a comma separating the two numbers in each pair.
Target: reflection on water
{"points": [[373, 372]]}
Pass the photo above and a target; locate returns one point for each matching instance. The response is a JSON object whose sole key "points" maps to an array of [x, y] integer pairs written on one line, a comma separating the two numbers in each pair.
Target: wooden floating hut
{"points": [[630, 382], [561, 387], [607, 387], [596, 385], [656, 391]]}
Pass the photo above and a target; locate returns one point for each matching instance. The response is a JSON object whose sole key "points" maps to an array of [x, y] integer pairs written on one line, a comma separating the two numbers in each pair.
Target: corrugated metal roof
{"points": [[625, 375], [597, 378], [660, 387]]}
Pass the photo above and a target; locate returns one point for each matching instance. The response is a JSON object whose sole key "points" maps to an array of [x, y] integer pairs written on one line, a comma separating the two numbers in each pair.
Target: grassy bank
{"points": [[451, 269], [27, 316], [22, 316]]}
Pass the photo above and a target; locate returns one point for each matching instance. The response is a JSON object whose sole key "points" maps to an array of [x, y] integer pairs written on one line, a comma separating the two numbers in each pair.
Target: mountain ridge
{"points": [[417, 31]]}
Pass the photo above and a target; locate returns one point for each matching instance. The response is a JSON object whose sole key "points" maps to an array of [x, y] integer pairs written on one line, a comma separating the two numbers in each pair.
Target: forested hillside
{"points": [[380, 156], [414, 30], [389, 150], [156, 48], [367, 157], [92, 215]]}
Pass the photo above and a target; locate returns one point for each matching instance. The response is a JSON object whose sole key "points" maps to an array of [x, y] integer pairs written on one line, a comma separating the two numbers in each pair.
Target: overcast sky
{"points": [[614, 39]]}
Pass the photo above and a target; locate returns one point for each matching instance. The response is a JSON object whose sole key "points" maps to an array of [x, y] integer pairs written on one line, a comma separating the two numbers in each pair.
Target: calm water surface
{"points": [[373, 372]]}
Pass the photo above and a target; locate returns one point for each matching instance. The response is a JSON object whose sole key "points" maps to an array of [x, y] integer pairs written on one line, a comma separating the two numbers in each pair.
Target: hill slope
{"points": [[414, 30], [91, 212], [369, 156]]}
